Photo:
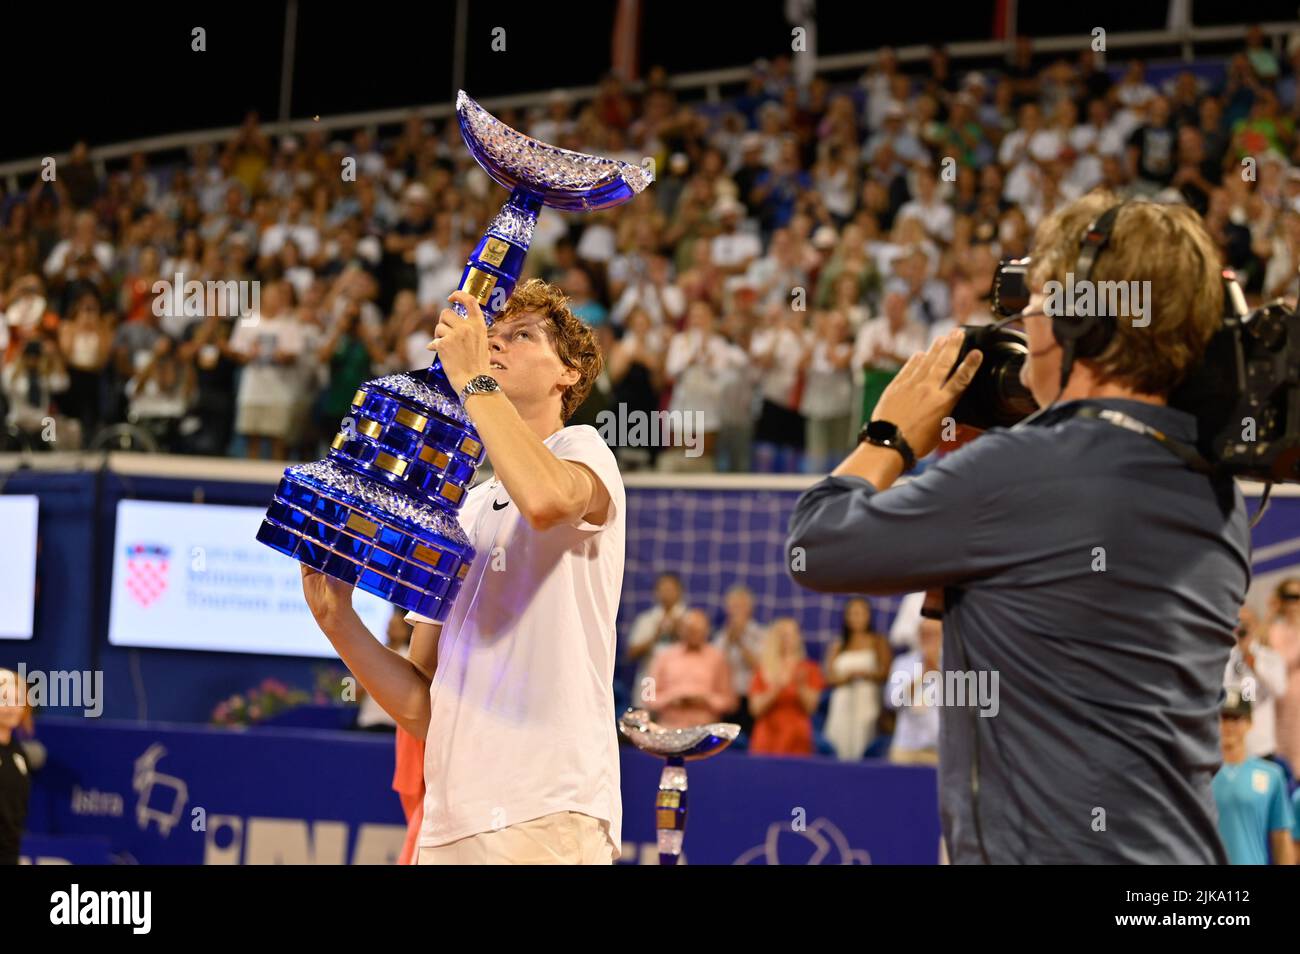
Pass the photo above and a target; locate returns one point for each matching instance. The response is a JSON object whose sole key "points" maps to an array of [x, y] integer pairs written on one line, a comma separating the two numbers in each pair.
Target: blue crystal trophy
{"points": [[676, 747], [380, 511]]}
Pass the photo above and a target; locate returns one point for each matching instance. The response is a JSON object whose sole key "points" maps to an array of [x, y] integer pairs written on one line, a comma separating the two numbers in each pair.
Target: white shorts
{"points": [[565, 838]]}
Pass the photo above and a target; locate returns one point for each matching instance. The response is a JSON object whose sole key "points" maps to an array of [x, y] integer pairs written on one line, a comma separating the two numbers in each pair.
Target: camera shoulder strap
{"points": [[1187, 454]]}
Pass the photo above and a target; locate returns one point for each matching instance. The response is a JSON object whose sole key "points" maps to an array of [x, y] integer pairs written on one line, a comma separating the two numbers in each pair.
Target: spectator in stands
{"points": [[784, 693], [582, 297], [32, 383], [698, 367], [1258, 673], [653, 290], [160, 392], [348, 353], [1283, 637], [86, 341], [777, 191], [882, 346], [207, 350], [823, 171], [827, 400], [1152, 148], [934, 213], [856, 667], [739, 381], [654, 628], [16, 765], [79, 262], [734, 248], [916, 731], [267, 345], [690, 678], [778, 350], [412, 330], [966, 310], [1255, 820], [635, 368], [740, 639]]}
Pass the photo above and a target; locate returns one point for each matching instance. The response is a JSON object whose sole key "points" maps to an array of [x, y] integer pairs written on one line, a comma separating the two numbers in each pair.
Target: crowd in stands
{"points": [[800, 241]]}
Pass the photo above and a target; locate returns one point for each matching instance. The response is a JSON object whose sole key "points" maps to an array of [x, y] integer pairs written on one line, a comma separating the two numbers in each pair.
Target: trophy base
{"points": [[334, 521]]}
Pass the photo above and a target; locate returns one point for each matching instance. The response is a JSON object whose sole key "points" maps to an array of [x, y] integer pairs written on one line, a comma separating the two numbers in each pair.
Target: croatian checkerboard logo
{"points": [[146, 572]]}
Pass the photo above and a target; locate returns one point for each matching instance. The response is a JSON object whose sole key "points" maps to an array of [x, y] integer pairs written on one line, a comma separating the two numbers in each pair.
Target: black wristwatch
{"points": [[885, 434]]}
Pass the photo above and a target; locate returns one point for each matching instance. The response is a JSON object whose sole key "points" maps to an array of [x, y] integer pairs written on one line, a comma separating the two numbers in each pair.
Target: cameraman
{"points": [[1089, 567]]}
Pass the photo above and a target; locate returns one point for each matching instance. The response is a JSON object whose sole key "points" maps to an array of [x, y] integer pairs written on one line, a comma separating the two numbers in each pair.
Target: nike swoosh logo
{"points": [[500, 506]]}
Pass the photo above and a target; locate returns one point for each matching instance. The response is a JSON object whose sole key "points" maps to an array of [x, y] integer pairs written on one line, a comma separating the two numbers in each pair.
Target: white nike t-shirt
{"points": [[522, 700]]}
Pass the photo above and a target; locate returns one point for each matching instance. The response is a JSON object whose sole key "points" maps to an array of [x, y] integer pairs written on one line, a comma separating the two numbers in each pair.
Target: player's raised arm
{"points": [[399, 685]]}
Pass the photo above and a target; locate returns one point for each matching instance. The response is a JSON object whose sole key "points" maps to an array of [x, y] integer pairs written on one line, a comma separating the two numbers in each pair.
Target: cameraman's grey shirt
{"points": [[1106, 736]]}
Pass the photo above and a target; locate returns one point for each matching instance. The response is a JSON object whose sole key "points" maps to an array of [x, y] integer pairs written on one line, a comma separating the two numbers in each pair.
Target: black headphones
{"points": [[1087, 336]]}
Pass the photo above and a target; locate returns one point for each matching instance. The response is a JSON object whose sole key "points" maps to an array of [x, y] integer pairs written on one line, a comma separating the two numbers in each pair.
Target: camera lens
{"points": [[995, 397]]}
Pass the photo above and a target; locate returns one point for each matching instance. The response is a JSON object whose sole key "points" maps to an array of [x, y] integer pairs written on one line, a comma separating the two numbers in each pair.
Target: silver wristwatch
{"points": [[479, 384]]}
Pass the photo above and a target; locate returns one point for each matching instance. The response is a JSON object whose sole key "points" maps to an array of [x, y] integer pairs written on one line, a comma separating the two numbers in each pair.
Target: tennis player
{"points": [[513, 694]]}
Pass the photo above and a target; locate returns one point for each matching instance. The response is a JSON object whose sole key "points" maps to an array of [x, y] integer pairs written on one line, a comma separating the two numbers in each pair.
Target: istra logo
{"points": [[146, 571]]}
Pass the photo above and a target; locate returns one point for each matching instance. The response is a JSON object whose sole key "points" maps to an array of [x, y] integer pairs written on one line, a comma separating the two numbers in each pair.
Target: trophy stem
{"points": [[670, 811], [493, 268]]}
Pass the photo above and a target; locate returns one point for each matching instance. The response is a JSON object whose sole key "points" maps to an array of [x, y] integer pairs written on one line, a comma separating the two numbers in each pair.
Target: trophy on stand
{"points": [[380, 511], [676, 747]]}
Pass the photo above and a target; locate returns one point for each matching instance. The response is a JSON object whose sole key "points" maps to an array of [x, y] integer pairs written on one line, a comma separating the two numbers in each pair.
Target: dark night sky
{"points": [[114, 71]]}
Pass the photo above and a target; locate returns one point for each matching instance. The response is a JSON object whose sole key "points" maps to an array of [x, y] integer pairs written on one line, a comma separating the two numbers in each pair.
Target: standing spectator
{"points": [[692, 684], [784, 693], [1284, 638], [582, 297], [1282, 252], [653, 629], [739, 386], [1258, 673], [697, 365], [412, 330], [133, 347], [741, 640], [734, 248], [1254, 812], [827, 404], [965, 311], [916, 732], [856, 668], [268, 346], [207, 349], [160, 393], [778, 351], [933, 212], [883, 345], [295, 270], [15, 770], [137, 294], [1152, 148], [82, 259], [347, 354], [415, 224], [777, 191], [87, 343], [435, 259], [635, 370], [651, 289], [1197, 174], [31, 385]]}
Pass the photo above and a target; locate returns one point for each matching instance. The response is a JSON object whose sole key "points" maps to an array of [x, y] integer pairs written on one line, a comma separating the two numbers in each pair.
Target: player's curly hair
{"points": [[572, 338]]}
